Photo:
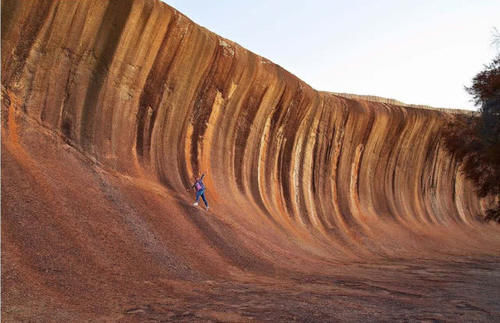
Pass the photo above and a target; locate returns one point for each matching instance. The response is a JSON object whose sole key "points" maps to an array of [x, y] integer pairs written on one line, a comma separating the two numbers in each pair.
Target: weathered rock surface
{"points": [[110, 107]]}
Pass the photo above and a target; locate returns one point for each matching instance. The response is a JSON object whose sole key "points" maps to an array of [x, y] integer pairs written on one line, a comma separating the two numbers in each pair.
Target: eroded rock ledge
{"points": [[143, 90]]}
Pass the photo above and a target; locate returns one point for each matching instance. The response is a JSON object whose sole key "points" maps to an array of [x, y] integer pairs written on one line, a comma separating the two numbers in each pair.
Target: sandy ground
{"points": [[83, 243]]}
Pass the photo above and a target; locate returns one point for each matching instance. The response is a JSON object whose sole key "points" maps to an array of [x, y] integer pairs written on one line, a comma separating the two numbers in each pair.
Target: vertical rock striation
{"points": [[142, 90]]}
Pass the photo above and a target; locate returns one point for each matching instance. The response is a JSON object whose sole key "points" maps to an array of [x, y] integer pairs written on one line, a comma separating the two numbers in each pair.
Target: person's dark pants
{"points": [[202, 194]]}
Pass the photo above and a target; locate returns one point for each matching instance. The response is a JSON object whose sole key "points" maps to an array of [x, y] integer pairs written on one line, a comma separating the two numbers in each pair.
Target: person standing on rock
{"points": [[200, 190]]}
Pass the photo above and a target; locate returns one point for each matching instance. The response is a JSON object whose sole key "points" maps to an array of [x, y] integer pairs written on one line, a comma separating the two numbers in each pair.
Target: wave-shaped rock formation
{"points": [[110, 107]]}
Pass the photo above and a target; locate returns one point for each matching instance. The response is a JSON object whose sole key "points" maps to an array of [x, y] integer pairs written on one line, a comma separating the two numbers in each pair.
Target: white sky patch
{"points": [[418, 52]]}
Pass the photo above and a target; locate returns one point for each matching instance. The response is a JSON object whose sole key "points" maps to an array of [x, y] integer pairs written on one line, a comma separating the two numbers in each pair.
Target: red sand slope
{"points": [[322, 207]]}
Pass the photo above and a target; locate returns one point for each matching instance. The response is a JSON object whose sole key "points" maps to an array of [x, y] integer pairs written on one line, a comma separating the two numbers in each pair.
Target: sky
{"points": [[417, 52]]}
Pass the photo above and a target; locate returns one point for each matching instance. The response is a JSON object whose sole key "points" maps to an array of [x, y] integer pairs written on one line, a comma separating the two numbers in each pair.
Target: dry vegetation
{"points": [[475, 140]]}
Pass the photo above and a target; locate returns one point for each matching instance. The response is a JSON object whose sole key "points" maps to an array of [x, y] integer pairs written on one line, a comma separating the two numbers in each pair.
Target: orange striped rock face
{"points": [[111, 107]]}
